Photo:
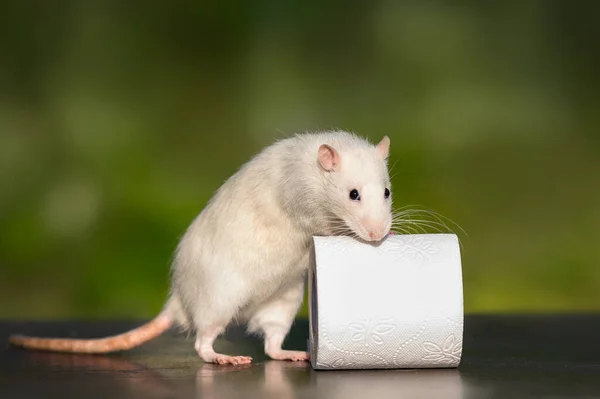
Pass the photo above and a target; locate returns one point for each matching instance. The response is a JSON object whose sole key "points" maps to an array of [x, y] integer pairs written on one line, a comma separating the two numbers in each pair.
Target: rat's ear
{"points": [[384, 147], [329, 158]]}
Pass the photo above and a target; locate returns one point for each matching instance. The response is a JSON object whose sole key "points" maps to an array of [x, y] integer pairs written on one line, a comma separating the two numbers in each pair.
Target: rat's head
{"points": [[360, 187]]}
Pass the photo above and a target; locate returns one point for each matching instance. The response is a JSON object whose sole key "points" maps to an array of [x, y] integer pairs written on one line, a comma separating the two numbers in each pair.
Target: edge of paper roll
{"points": [[312, 318], [313, 304]]}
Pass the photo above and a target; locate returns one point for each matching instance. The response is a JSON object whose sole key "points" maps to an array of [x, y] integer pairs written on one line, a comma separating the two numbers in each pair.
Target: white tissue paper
{"points": [[396, 304]]}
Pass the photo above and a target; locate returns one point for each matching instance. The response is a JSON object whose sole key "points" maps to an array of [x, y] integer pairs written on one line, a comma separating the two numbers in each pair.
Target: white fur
{"points": [[245, 256]]}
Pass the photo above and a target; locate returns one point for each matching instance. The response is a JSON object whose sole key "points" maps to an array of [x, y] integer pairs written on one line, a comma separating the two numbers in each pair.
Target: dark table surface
{"points": [[504, 357]]}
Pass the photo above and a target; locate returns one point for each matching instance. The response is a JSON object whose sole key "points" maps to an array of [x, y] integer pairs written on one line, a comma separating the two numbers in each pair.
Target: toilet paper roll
{"points": [[395, 304]]}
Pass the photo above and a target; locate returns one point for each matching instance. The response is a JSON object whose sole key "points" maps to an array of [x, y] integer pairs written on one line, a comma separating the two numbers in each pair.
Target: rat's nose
{"points": [[375, 236], [374, 231]]}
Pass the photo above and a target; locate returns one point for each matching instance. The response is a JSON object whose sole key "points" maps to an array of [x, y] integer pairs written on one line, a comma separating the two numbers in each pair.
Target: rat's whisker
{"points": [[397, 229], [424, 222], [421, 224], [408, 228], [443, 220], [416, 210]]}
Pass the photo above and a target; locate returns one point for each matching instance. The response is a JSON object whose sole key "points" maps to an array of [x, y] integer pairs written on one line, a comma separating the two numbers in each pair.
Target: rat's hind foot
{"points": [[210, 356], [294, 356], [204, 347], [234, 360]]}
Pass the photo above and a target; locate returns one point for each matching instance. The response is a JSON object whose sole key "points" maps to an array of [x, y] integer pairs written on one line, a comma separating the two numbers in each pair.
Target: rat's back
{"points": [[245, 243]]}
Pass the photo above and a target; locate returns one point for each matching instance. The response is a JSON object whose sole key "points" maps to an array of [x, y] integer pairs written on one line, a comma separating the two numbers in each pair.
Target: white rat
{"points": [[245, 256]]}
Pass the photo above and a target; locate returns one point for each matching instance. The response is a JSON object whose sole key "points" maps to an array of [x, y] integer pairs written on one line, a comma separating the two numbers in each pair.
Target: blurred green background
{"points": [[119, 120]]}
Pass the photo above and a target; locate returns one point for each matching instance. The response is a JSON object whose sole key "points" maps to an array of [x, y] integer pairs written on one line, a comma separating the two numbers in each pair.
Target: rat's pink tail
{"points": [[120, 342]]}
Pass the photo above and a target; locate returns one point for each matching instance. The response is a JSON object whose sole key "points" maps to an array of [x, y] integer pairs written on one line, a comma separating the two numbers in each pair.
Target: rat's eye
{"points": [[386, 194], [354, 195]]}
